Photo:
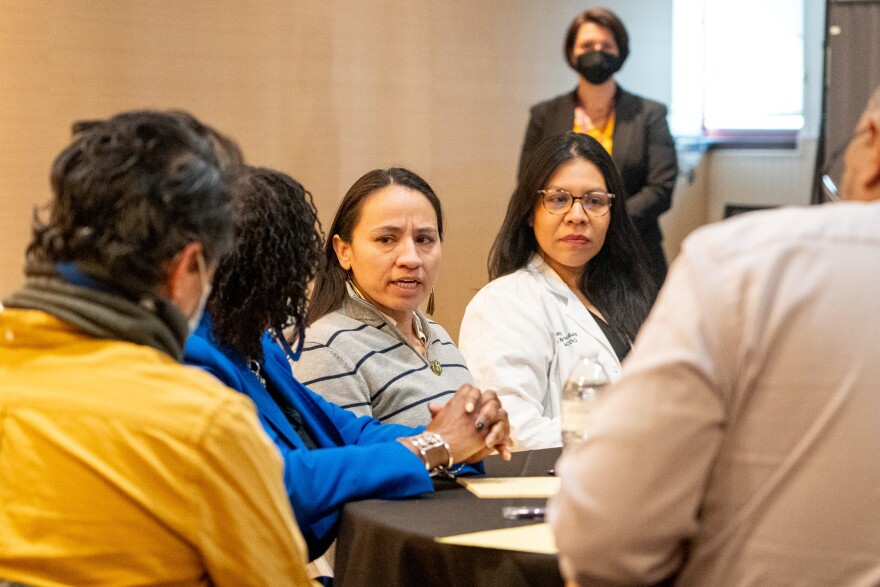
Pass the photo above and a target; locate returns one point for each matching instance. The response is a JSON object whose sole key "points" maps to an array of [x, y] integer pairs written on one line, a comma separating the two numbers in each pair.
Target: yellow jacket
{"points": [[120, 466]]}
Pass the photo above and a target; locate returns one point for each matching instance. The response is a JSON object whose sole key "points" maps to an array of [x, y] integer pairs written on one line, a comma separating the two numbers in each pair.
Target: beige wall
{"points": [[326, 91], [322, 90], [689, 203]]}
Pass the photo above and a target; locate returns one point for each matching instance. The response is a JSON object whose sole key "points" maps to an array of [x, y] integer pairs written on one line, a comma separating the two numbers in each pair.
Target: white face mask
{"points": [[196, 317]]}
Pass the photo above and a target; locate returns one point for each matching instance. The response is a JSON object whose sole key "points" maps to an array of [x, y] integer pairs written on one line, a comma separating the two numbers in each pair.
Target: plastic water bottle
{"points": [[583, 390]]}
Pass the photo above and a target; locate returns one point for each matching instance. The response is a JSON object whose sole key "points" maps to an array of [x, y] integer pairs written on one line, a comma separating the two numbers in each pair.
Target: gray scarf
{"points": [[102, 311]]}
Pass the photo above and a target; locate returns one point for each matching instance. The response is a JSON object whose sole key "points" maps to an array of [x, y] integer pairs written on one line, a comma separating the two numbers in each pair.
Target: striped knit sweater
{"points": [[357, 359]]}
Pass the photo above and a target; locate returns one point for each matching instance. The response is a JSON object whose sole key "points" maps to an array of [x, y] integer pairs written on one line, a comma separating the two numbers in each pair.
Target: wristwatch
{"points": [[433, 448]]}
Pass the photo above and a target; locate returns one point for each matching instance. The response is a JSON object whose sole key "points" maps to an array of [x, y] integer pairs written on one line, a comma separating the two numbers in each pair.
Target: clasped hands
{"points": [[474, 425]]}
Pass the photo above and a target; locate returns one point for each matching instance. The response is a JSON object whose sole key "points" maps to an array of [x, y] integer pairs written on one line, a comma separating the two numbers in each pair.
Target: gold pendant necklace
{"points": [[436, 367]]}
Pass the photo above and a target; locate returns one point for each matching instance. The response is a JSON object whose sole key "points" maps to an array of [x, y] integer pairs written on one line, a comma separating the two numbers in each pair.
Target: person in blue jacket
{"points": [[330, 455]]}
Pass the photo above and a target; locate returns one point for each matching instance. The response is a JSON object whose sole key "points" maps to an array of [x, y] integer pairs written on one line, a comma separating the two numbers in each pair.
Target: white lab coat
{"points": [[521, 336]]}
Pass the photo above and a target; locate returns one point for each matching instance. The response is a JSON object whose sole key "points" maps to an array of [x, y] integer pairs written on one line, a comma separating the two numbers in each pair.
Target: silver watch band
{"points": [[428, 442]]}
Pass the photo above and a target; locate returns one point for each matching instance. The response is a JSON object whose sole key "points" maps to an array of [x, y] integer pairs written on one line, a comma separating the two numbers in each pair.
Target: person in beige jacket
{"points": [[740, 445]]}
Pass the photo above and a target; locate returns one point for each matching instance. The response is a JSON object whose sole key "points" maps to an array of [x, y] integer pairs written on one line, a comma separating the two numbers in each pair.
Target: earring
{"points": [[354, 287], [431, 302]]}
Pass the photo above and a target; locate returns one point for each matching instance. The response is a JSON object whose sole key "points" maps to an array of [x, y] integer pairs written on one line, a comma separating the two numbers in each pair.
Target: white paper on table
{"points": [[507, 487], [533, 538]]}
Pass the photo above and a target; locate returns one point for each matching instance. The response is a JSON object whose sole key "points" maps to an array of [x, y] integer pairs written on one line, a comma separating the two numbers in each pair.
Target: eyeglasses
{"points": [[557, 201], [829, 188]]}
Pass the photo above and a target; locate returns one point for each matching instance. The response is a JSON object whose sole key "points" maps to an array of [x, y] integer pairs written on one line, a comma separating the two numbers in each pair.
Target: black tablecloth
{"points": [[392, 543]]}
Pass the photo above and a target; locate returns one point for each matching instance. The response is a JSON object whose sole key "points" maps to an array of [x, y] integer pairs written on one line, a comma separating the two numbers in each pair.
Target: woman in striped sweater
{"points": [[331, 457], [368, 347]]}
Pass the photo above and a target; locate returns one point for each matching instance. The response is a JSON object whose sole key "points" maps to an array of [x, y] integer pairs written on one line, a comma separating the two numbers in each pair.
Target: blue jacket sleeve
{"points": [[358, 458], [366, 431], [320, 481], [362, 430]]}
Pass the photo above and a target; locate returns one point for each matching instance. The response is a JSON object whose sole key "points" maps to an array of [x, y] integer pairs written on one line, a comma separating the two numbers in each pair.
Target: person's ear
{"points": [[183, 273], [872, 178], [343, 252]]}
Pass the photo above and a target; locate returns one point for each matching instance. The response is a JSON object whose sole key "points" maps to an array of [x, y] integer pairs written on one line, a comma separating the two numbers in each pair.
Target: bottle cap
{"points": [[589, 353]]}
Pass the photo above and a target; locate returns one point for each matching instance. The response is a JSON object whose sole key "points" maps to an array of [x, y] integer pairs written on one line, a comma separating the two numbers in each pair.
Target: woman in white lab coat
{"points": [[569, 275]]}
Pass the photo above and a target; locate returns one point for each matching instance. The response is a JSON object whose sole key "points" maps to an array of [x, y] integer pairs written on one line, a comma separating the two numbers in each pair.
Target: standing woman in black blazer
{"points": [[632, 129]]}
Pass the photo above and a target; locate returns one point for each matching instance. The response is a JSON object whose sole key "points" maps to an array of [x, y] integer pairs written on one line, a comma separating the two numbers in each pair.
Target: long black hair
{"points": [[263, 283], [329, 291], [618, 279]]}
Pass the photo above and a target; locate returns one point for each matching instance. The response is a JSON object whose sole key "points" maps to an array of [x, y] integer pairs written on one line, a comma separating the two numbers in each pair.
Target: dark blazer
{"points": [[643, 152]]}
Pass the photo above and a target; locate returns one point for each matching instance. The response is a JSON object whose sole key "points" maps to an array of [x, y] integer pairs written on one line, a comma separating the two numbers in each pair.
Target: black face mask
{"points": [[597, 66]]}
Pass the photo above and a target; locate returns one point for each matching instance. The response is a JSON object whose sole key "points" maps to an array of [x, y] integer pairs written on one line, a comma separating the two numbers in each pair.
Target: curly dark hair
{"points": [[227, 150], [618, 279], [130, 193], [263, 283]]}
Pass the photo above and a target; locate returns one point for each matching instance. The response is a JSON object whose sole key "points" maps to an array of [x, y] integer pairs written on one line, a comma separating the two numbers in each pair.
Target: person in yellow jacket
{"points": [[119, 465]]}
